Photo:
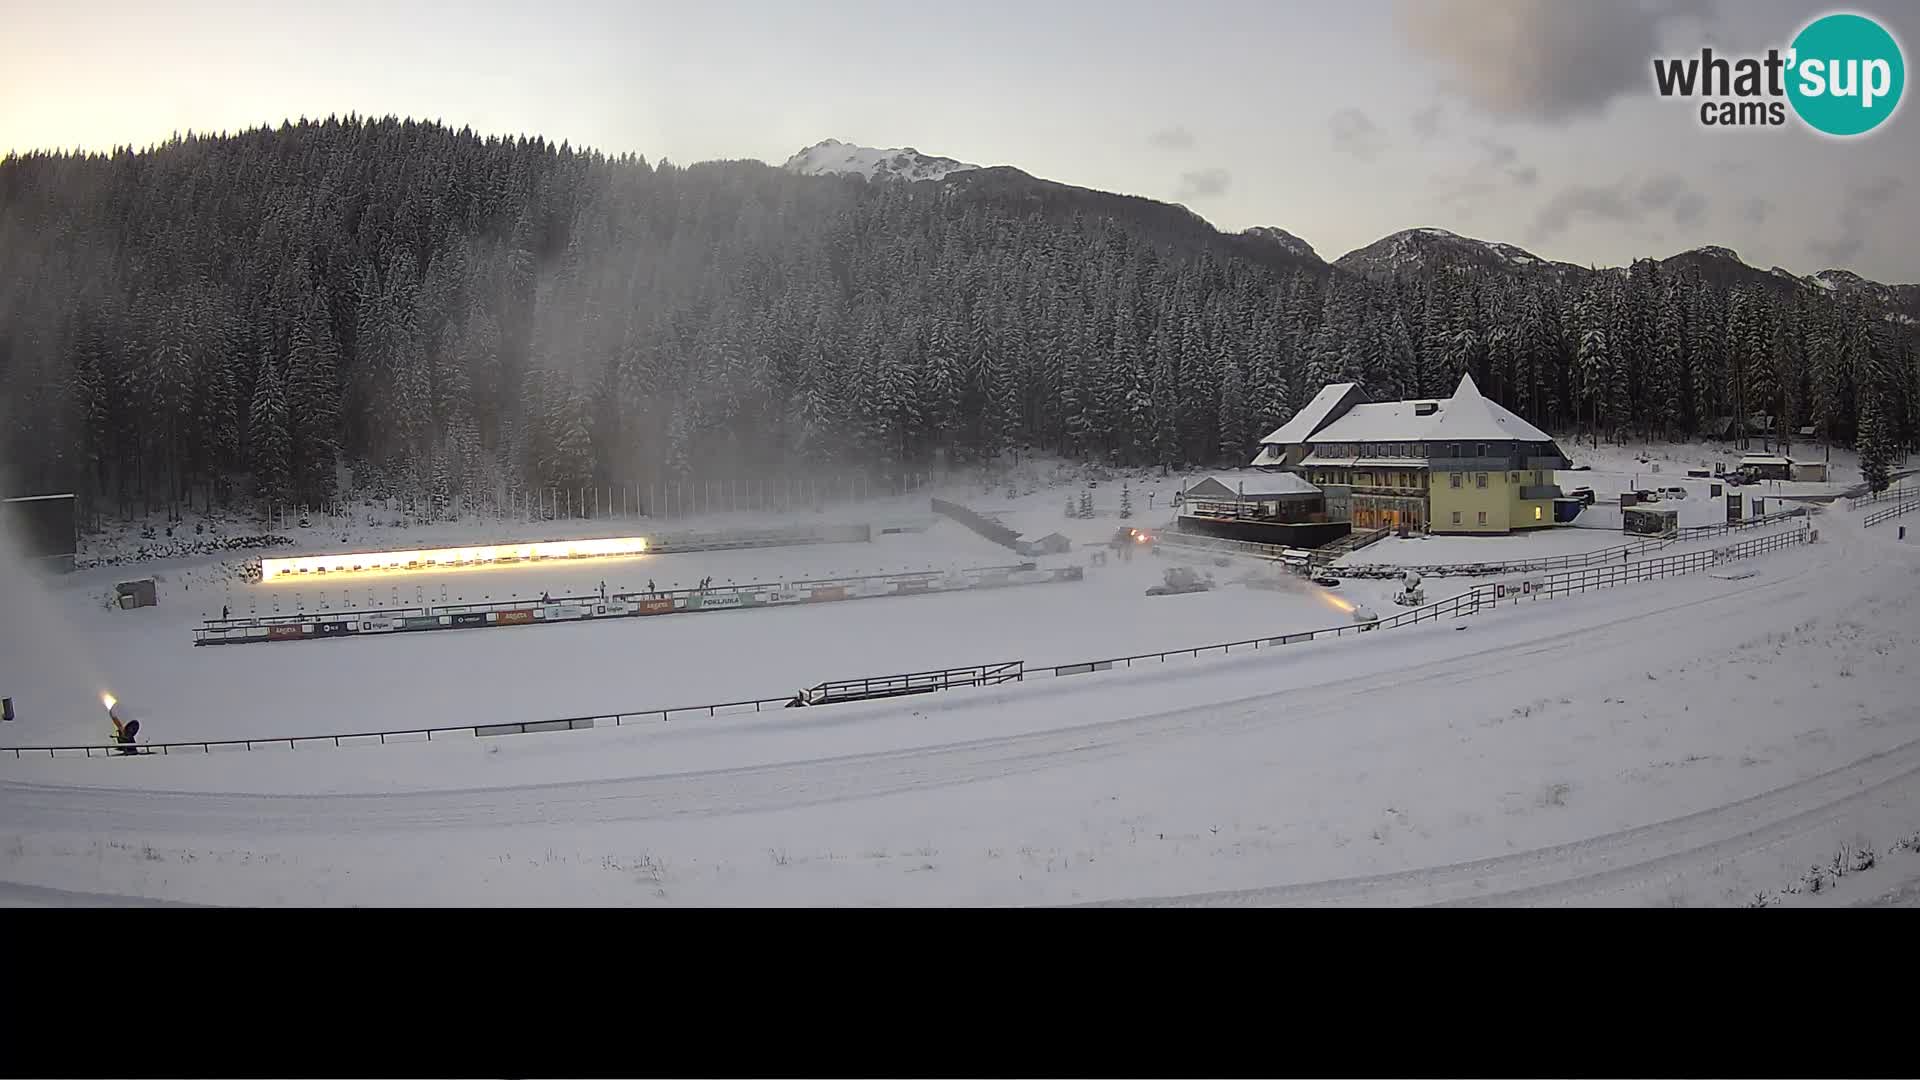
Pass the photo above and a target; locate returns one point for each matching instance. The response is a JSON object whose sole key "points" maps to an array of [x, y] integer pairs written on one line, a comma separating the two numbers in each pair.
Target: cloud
{"points": [[1859, 217], [1665, 195], [1355, 133], [1754, 211], [1176, 137], [1426, 123], [1497, 166], [1576, 201], [1670, 193], [1546, 60], [1203, 183], [1497, 152]]}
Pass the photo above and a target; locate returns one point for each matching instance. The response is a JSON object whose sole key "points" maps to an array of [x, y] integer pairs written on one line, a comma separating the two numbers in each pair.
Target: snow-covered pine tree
{"points": [[1876, 449], [1235, 420], [1126, 501], [267, 440], [1086, 503]]}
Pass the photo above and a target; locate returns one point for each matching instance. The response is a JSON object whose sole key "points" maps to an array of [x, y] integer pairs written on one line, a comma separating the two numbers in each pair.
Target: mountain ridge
{"points": [[1407, 250]]}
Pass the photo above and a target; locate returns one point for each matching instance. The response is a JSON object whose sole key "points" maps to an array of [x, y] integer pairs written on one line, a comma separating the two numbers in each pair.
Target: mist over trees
{"points": [[409, 308]]}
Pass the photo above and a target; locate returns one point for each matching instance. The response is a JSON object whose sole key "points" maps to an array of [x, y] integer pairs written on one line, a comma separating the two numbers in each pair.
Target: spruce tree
{"points": [[267, 433], [1876, 450], [1126, 502]]}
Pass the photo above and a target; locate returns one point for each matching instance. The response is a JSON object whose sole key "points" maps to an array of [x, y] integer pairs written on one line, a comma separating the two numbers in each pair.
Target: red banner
{"points": [[656, 607], [282, 633], [515, 617]]}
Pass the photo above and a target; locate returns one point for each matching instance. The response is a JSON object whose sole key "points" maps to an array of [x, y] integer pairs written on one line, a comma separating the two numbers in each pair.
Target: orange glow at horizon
{"points": [[423, 559]]}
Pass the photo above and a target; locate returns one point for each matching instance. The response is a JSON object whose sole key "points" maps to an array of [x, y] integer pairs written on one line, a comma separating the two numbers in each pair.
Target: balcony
{"points": [[1474, 464], [1549, 464], [1540, 491]]}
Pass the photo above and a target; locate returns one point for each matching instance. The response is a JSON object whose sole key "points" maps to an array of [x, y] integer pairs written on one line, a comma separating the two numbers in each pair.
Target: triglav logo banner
{"points": [[1842, 74]]}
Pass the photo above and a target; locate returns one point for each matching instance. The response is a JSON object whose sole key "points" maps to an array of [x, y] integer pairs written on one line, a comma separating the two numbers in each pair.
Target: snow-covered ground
{"points": [[1694, 740]]}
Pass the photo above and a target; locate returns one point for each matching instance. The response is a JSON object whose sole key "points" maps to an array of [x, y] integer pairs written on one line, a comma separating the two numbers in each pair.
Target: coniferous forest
{"points": [[403, 307]]}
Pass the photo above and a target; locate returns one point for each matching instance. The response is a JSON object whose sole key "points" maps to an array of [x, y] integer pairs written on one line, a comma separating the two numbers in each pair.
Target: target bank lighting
{"points": [[438, 558]]}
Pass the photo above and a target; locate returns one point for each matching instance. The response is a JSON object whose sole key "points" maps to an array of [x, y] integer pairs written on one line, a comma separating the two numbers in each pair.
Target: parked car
{"points": [[1327, 582], [1672, 493], [1584, 494]]}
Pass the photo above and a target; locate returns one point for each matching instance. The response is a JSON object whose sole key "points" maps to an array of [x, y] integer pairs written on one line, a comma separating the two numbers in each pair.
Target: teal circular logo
{"points": [[1846, 76]]}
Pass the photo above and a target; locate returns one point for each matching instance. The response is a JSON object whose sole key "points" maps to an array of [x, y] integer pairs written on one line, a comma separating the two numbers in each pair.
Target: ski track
{"points": [[768, 787], [1583, 869]]}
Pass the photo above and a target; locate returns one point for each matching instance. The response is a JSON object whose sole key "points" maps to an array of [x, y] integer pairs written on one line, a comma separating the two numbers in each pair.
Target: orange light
{"points": [[435, 558]]}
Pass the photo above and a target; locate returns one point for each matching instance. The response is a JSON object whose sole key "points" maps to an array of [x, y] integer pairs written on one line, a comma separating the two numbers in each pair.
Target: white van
{"points": [[1672, 493]]}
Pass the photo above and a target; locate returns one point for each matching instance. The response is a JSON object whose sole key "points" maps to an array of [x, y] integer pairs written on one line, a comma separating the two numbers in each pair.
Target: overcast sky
{"points": [[1529, 121]]}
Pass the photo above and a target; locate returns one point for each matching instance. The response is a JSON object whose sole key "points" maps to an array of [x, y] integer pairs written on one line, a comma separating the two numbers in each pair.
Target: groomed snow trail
{"points": [[1391, 707]]}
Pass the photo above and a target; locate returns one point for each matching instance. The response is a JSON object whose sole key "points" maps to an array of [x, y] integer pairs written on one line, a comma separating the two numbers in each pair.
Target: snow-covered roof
{"points": [[1308, 420], [1263, 486], [1268, 455], [1464, 416], [1764, 459], [1467, 415], [1385, 421]]}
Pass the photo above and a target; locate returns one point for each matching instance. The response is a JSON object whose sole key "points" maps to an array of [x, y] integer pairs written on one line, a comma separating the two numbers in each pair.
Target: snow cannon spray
{"points": [[123, 730]]}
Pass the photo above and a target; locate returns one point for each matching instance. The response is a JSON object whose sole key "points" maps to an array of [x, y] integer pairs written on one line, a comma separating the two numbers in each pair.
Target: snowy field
{"points": [[180, 692], [1697, 740]]}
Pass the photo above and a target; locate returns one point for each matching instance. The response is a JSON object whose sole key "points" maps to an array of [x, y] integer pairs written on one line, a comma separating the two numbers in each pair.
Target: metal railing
{"points": [[422, 734], [1612, 555], [919, 682], [1890, 512], [1603, 577], [1898, 491], [1463, 604]]}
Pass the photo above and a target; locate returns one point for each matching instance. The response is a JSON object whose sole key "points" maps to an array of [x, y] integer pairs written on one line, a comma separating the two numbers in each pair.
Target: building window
{"points": [[1456, 517], [1456, 479], [1483, 517], [1480, 480], [1536, 513], [1514, 478]]}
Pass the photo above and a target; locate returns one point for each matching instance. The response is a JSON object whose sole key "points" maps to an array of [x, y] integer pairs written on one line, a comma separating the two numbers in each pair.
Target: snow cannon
{"points": [[1410, 594], [123, 730]]}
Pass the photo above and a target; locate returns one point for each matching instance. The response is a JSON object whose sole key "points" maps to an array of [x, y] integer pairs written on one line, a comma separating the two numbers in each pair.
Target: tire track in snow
{"points": [[1609, 862]]}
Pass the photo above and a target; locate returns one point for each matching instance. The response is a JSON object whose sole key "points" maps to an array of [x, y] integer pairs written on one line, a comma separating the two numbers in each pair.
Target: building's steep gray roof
{"points": [[1325, 405]]}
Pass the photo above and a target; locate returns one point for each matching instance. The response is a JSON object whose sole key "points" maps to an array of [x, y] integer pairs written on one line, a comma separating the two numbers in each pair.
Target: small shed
{"points": [[1649, 520], [1767, 466], [1050, 544], [1815, 471]]}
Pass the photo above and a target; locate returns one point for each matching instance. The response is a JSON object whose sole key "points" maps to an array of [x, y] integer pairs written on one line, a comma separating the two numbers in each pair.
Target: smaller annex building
{"points": [[1268, 508]]}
